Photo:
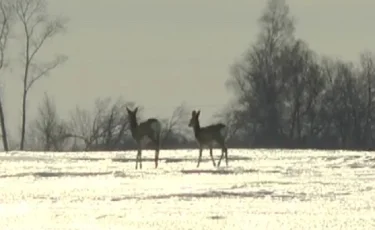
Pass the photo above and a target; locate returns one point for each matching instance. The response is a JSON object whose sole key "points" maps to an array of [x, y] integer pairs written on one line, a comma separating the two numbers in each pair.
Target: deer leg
{"points": [[212, 157], [226, 155], [157, 150], [222, 155], [140, 159], [157, 156], [137, 159], [200, 156]]}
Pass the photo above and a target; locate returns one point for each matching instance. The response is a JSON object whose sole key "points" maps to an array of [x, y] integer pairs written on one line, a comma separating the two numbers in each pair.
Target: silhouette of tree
{"points": [[259, 80], [48, 131], [6, 21], [38, 28], [175, 126]]}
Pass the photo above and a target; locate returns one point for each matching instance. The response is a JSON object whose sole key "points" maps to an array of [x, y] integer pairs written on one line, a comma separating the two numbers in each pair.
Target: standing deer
{"points": [[208, 136], [143, 133]]}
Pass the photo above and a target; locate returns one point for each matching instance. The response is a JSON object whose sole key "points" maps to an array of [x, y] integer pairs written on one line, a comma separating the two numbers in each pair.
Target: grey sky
{"points": [[160, 53]]}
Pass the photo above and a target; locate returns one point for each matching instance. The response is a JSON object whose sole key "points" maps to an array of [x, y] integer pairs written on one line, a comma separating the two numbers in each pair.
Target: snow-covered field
{"points": [[261, 189]]}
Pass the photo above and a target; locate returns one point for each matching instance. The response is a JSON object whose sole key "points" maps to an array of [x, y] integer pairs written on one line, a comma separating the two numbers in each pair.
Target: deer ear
{"points": [[127, 109], [199, 112], [136, 110]]}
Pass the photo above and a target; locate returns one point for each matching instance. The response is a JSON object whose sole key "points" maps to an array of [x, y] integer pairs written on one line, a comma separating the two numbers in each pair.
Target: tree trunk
{"points": [[3, 128], [23, 120]]}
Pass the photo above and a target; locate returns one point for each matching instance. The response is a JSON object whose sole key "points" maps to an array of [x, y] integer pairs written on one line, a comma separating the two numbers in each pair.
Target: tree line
{"points": [[285, 94]]}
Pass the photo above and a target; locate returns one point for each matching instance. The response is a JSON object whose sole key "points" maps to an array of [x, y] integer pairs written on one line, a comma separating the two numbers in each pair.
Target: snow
{"points": [[261, 189]]}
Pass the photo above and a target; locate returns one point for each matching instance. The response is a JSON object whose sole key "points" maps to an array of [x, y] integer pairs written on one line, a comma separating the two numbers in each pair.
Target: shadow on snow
{"points": [[151, 159], [56, 174], [223, 194], [223, 171]]}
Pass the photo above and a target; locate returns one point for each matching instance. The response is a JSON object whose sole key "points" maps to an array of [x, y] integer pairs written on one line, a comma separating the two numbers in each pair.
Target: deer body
{"points": [[143, 133], [209, 136]]}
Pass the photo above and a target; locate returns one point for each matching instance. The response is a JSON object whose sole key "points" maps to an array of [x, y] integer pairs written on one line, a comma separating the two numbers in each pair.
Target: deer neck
{"points": [[197, 128], [133, 126]]}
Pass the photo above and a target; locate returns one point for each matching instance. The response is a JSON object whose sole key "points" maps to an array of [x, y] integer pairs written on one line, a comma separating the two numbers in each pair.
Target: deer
{"points": [[144, 133], [208, 136]]}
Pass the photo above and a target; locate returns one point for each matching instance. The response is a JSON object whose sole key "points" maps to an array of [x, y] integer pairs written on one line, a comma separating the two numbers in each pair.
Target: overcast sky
{"points": [[161, 53]]}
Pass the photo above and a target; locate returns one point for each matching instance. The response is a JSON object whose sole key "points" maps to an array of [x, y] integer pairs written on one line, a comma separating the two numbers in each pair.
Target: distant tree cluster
{"points": [[288, 96], [285, 95], [104, 128]]}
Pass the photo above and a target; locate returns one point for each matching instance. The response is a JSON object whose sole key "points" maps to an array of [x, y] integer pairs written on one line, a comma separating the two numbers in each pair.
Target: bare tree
{"points": [[85, 125], [177, 123], [113, 126], [229, 115], [38, 28], [48, 131], [258, 80], [367, 62], [104, 128], [6, 18], [304, 85]]}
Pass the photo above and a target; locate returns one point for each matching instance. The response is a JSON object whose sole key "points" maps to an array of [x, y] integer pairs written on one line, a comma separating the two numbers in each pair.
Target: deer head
{"points": [[194, 118], [132, 114]]}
